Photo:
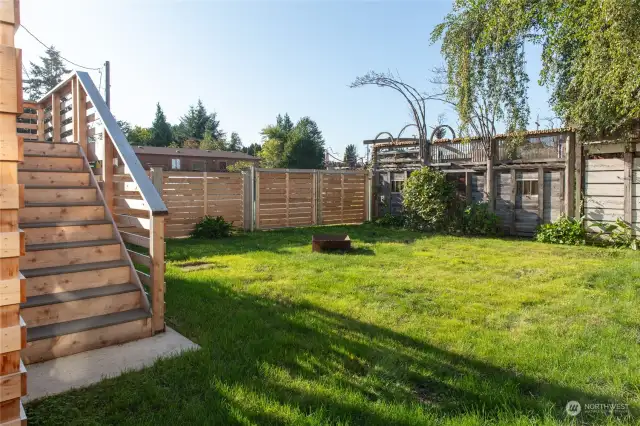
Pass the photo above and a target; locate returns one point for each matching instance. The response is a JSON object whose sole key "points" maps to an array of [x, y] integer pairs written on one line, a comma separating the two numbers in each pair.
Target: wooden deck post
{"points": [[13, 331], [156, 252], [628, 187], [79, 114], [569, 176], [580, 166], [55, 117], [107, 170]]}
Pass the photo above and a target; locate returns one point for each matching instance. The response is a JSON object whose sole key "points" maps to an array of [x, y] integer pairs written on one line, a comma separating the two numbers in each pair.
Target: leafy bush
{"points": [[212, 228], [620, 234], [427, 198], [477, 219], [390, 221], [565, 230]]}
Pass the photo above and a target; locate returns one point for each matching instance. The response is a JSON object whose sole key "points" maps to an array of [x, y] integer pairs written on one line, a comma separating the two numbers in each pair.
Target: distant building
{"points": [[191, 160]]}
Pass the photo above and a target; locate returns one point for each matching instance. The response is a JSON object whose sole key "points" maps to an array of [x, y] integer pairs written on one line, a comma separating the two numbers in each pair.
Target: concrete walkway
{"points": [[83, 369]]}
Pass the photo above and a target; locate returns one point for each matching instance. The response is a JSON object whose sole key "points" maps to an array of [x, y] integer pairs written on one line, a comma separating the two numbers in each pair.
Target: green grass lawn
{"points": [[408, 329]]}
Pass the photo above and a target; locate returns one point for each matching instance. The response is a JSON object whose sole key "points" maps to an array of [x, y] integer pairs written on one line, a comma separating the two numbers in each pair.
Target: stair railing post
{"points": [[107, 170], [156, 252]]}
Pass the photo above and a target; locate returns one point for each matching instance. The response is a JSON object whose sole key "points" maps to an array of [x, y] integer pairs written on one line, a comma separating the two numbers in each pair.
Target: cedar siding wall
{"points": [[186, 162]]}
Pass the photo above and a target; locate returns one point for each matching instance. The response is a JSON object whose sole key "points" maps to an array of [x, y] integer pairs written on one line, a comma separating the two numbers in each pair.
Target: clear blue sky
{"points": [[249, 61]]}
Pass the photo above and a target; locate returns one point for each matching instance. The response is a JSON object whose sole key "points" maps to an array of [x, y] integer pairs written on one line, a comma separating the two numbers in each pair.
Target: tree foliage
{"points": [[235, 143], [42, 78], [351, 155], [161, 134], [288, 146], [590, 55], [139, 136], [196, 122], [253, 149]]}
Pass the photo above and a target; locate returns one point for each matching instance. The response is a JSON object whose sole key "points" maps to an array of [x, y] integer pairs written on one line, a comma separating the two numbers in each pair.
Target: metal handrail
{"points": [[138, 174]]}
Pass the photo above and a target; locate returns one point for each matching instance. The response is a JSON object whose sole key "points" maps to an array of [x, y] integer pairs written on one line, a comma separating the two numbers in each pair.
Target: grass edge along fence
{"points": [[264, 198]]}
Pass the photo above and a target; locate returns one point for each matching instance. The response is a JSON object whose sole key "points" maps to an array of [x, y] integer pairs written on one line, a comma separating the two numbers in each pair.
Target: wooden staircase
{"points": [[82, 289]]}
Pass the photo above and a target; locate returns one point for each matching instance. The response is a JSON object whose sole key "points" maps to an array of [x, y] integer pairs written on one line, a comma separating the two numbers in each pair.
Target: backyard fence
{"points": [[263, 198]]}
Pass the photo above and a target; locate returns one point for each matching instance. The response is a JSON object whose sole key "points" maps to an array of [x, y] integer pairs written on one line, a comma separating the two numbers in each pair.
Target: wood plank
{"points": [[79, 309], [36, 286], [10, 89], [13, 291], [135, 239], [609, 164], [53, 163], [11, 196], [13, 386], [604, 176], [12, 338], [54, 178], [131, 204], [60, 234], [68, 344], [12, 244], [136, 222], [139, 258], [58, 214], [610, 190], [69, 256], [41, 195]]}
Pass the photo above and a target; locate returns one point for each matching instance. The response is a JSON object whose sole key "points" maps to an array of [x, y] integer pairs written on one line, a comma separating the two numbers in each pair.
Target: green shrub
{"points": [[390, 221], [477, 219], [620, 234], [565, 230], [211, 227], [428, 198]]}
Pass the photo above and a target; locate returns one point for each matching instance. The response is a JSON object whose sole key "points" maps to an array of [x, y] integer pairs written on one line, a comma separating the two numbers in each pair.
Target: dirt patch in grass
{"points": [[200, 265]]}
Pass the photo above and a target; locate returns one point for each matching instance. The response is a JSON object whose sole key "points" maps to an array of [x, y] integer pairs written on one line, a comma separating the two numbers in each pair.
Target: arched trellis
{"points": [[423, 151]]}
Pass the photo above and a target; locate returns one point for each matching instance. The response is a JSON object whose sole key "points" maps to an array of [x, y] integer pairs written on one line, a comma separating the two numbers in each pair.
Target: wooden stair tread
{"points": [[52, 143], [68, 269], [76, 326], [53, 155], [70, 296], [63, 223], [70, 244], [53, 170], [64, 204]]}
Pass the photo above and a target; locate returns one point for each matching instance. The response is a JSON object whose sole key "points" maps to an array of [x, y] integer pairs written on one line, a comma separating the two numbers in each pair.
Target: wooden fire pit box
{"points": [[328, 242]]}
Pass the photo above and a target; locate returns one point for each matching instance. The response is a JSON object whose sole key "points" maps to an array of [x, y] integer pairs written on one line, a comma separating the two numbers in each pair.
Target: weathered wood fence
{"points": [[263, 198]]}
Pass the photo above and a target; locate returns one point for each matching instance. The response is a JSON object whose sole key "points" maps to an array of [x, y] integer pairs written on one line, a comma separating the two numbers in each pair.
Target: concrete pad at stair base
{"points": [[86, 368]]}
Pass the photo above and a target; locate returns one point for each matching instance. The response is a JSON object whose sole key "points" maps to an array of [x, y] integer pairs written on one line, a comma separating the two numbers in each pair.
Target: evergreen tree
{"points": [[351, 156], [160, 129], [253, 149], [211, 144], [42, 78], [195, 121], [213, 127], [235, 143]]}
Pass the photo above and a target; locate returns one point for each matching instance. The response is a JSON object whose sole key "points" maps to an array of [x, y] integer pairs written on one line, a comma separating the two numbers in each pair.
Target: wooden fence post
{"points": [[468, 186], [512, 200], [40, 123], [314, 198], [247, 200], [580, 165], [541, 195], [569, 175], [156, 178], [319, 197], [628, 187], [156, 252], [367, 195], [206, 196], [257, 199], [13, 331]]}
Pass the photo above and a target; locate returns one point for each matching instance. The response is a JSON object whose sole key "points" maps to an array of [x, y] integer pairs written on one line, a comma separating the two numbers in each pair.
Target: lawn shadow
{"points": [[283, 343]]}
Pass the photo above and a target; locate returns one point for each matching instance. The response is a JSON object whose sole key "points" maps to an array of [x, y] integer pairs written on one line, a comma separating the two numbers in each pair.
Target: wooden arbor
{"points": [[12, 284]]}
